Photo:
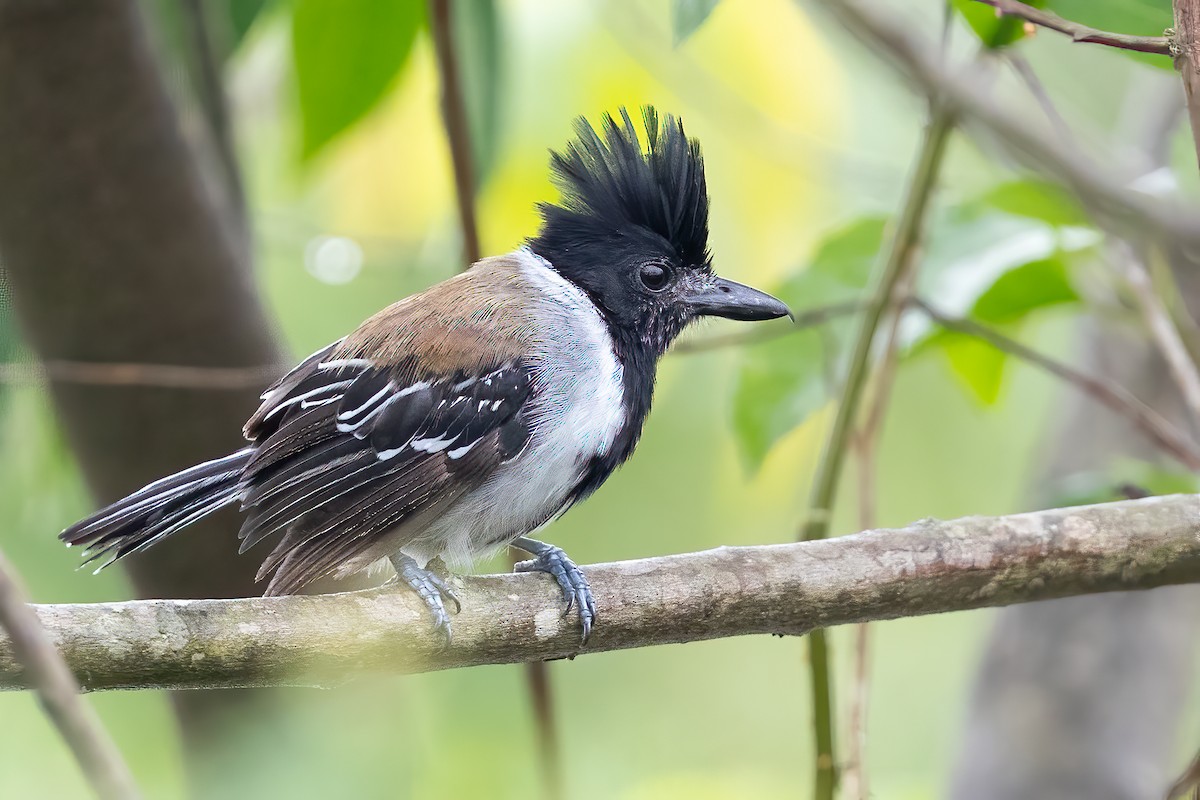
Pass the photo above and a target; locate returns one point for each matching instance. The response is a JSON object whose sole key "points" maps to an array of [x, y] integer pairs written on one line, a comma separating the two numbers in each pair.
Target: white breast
{"points": [[576, 413]]}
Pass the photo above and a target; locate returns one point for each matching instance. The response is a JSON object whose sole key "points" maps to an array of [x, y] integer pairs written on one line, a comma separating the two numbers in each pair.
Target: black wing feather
{"points": [[348, 452], [402, 419]]}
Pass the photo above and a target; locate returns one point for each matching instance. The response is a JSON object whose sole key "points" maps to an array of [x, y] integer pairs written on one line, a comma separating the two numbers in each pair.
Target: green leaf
{"points": [[1011, 292], [979, 261], [971, 247], [1036, 199], [1024, 289], [782, 382], [1137, 17], [688, 15], [977, 365], [347, 53], [477, 37], [849, 255], [241, 15], [994, 30]]}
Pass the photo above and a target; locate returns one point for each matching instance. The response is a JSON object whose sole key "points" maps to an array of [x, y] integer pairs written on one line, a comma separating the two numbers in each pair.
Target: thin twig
{"points": [[44, 670], [215, 104], [900, 250], [165, 376], [1161, 327], [1188, 781], [458, 131], [803, 320], [1101, 183], [1155, 314], [1033, 83], [1159, 45], [854, 772], [1111, 395], [541, 695], [866, 444], [899, 254], [1167, 287]]}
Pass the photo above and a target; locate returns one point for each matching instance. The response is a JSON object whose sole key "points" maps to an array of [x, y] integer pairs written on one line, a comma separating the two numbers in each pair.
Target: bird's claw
{"points": [[576, 592], [433, 590]]}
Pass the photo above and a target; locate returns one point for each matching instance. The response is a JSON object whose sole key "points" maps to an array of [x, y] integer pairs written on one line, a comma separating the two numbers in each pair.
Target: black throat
{"points": [[639, 367]]}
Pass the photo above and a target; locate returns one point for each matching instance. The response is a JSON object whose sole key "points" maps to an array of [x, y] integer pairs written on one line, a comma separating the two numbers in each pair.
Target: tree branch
{"points": [[210, 92], [1186, 49], [855, 783], [1161, 327], [1112, 396], [458, 135], [1101, 182], [929, 567], [454, 113], [1159, 45], [150, 273], [58, 692], [897, 261], [161, 376]]}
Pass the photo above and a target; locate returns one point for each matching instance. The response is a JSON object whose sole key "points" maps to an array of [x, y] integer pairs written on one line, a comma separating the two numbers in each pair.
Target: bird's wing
{"points": [[349, 448]]}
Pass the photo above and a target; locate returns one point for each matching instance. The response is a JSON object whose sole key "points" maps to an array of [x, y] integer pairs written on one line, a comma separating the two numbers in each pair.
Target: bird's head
{"points": [[631, 230]]}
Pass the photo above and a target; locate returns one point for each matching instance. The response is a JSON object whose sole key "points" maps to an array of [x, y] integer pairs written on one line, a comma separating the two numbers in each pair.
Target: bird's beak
{"points": [[722, 298]]}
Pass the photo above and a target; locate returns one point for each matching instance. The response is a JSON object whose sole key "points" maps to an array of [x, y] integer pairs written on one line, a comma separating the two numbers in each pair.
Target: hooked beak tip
{"points": [[732, 300]]}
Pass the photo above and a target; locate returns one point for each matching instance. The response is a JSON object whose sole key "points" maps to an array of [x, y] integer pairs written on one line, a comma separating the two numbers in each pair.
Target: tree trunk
{"points": [[1081, 699], [115, 251]]}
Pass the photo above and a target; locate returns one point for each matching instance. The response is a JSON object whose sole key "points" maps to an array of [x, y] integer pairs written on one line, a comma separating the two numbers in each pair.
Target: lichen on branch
{"points": [[790, 589]]}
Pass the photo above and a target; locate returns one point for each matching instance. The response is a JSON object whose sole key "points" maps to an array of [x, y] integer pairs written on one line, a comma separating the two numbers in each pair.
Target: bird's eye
{"points": [[654, 277]]}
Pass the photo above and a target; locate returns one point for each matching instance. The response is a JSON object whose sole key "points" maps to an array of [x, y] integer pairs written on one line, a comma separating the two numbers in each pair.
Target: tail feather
{"points": [[159, 509]]}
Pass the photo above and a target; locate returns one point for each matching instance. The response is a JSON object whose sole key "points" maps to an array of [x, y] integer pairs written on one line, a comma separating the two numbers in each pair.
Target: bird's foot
{"points": [[576, 591], [432, 588]]}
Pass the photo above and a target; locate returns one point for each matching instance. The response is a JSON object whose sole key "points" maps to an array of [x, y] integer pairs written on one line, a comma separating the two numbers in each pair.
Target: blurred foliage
{"points": [[1032, 197], [993, 29], [477, 37], [783, 381], [688, 15], [241, 15], [347, 53], [996, 258], [1122, 479], [805, 143], [1138, 17], [1135, 17]]}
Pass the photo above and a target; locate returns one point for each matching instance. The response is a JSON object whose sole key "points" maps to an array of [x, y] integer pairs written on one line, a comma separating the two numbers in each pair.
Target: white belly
{"points": [[575, 413]]}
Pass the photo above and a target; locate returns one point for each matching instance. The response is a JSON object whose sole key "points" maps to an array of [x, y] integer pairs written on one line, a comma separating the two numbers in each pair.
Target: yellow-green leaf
{"points": [[993, 29], [688, 15], [347, 53], [477, 40], [978, 366], [1136, 17]]}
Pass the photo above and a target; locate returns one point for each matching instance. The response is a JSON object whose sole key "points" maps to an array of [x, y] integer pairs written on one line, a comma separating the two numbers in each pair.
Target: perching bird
{"points": [[459, 420]]}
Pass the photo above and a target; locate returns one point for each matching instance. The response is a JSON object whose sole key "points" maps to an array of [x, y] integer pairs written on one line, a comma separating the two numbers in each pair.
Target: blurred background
{"points": [[343, 200]]}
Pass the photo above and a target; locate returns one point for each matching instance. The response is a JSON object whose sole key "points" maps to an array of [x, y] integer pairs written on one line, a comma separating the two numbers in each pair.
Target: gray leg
{"points": [[431, 588], [575, 589]]}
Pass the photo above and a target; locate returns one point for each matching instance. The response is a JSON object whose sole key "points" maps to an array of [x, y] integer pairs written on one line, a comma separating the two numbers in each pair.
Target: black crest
{"points": [[610, 185]]}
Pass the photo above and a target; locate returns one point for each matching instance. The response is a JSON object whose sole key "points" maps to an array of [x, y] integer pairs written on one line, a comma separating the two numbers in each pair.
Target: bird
{"points": [[464, 418]]}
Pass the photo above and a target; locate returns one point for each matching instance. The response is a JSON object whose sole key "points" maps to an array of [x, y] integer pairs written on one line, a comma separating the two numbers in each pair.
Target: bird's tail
{"points": [[156, 511]]}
